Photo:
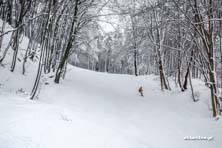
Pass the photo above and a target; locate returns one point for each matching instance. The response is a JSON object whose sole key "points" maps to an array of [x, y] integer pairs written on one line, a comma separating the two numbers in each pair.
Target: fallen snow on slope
{"points": [[96, 110]]}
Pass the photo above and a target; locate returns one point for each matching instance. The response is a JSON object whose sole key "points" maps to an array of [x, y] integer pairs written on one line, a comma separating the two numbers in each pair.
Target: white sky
{"points": [[108, 23]]}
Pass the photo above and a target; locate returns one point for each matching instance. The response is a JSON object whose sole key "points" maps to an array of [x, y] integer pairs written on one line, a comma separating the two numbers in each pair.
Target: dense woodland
{"points": [[175, 39]]}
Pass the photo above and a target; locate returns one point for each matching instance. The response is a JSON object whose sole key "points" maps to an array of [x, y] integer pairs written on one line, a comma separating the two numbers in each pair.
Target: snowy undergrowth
{"points": [[98, 110]]}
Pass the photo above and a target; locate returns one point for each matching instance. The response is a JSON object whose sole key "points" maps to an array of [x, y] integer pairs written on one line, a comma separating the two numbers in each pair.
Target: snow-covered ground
{"points": [[98, 110]]}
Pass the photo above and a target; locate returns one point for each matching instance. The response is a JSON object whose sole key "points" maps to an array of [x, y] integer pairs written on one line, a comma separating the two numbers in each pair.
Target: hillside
{"points": [[94, 108], [99, 110]]}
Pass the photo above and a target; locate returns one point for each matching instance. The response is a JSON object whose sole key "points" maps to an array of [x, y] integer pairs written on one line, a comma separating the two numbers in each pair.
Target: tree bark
{"points": [[71, 39]]}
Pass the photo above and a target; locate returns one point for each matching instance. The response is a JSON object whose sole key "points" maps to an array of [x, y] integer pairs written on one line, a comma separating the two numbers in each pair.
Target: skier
{"points": [[141, 91]]}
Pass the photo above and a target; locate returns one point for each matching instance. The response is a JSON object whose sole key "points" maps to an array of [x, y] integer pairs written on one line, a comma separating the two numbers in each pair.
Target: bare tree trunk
{"points": [[72, 36], [220, 34], [161, 72], [211, 65], [188, 72], [191, 87], [42, 55], [207, 39], [2, 31], [135, 62], [161, 68], [6, 50], [24, 7]]}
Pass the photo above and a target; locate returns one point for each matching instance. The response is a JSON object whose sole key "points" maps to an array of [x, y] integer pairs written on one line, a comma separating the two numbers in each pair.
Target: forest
{"points": [[179, 41]]}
